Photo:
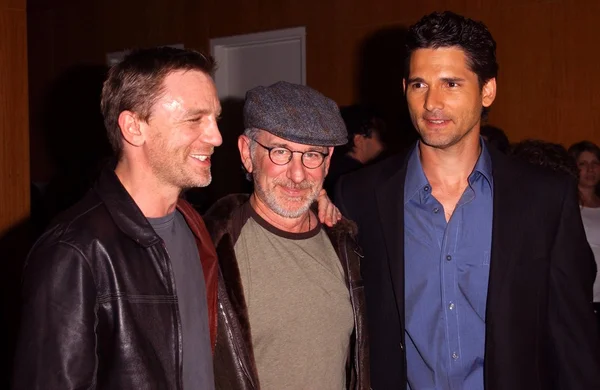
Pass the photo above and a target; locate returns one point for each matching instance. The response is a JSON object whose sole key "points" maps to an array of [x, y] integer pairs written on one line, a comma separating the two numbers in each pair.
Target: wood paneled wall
{"points": [[14, 171], [548, 84], [14, 126]]}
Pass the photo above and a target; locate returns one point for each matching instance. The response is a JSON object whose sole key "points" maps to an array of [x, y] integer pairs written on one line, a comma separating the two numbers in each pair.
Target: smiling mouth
{"points": [[200, 157], [436, 121], [293, 190]]}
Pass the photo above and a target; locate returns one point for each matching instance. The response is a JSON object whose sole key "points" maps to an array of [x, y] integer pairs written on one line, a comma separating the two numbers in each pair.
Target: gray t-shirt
{"points": [[299, 306], [191, 295]]}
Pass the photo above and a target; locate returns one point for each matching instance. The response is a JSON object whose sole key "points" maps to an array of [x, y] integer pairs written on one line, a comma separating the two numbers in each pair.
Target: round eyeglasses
{"points": [[279, 155]]}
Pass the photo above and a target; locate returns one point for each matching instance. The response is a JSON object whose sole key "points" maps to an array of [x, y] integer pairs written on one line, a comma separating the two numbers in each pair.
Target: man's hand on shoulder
{"points": [[329, 214]]}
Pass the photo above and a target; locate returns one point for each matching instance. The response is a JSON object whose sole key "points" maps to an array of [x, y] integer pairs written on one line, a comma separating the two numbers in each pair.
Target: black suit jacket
{"points": [[540, 326]]}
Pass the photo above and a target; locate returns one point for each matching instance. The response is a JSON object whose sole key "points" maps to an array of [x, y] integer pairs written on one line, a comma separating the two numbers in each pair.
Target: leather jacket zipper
{"points": [[179, 331], [342, 242], [237, 350]]}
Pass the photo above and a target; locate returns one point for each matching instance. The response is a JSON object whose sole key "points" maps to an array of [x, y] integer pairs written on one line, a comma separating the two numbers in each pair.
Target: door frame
{"points": [[219, 46]]}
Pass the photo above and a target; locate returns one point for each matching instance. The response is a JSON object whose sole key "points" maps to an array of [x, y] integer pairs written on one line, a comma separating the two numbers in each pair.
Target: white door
{"points": [[247, 61]]}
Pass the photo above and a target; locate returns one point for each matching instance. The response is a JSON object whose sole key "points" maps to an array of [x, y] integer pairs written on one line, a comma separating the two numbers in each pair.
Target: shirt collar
{"points": [[416, 180], [415, 177], [484, 164]]}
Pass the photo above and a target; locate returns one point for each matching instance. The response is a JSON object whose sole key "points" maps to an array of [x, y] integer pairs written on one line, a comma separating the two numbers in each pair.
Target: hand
{"points": [[328, 213]]}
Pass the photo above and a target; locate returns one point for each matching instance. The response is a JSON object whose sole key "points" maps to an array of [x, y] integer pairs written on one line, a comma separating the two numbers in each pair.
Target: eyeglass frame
{"points": [[269, 149]]}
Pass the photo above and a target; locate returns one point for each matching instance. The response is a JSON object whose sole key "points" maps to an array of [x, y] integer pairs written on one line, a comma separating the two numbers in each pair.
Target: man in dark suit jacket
{"points": [[477, 271]]}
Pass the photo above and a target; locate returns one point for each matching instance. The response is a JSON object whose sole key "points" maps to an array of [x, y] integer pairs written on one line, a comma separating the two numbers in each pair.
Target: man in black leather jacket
{"points": [[121, 291]]}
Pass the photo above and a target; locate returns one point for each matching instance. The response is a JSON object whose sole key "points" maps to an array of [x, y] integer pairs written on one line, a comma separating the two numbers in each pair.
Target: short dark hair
{"points": [[546, 154], [584, 146], [362, 120], [136, 83], [447, 29]]}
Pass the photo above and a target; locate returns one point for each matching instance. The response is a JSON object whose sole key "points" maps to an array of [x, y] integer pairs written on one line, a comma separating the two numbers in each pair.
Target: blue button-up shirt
{"points": [[447, 270]]}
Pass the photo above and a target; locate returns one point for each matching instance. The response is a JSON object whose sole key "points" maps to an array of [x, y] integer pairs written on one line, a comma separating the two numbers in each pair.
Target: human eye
{"points": [[280, 155], [280, 152], [452, 84], [195, 119], [312, 155], [417, 85]]}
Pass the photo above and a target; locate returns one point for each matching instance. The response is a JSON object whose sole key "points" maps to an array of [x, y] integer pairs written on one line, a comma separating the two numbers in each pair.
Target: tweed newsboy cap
{"points": [[295, 113]]}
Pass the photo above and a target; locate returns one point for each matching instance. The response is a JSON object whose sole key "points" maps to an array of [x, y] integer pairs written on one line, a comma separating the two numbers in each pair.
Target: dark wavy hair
{"points": [[584, 146], [546, 154], [362, 120], [447, 29]]}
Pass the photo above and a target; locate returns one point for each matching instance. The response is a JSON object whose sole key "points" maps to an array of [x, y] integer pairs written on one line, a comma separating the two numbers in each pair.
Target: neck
{"points": [[155, 200], [450, 166], [300, 224], [588, 197]]}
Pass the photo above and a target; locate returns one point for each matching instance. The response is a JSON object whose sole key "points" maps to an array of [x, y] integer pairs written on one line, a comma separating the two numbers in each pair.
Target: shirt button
{"points": [[451, 306], [426, 188], [436, 210], [448, 257], [454, 355]]}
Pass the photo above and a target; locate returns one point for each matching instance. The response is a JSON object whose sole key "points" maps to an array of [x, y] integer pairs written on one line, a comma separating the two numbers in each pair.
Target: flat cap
{"points": [[295, 113]]}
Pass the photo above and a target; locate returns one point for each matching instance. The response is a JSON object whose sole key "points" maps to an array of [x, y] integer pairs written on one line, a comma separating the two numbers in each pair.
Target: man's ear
{"points": [[358, 141], [404, 85], [131, 128], [245, 155], [488, 92]]}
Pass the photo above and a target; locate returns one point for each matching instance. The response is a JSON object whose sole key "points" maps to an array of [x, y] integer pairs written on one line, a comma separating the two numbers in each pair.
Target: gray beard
{"points": [[271, 201]]}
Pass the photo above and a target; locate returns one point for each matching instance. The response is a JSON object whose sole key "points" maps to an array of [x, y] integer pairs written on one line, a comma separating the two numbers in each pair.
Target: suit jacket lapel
{"points": [[506, 226], [390, 204]]}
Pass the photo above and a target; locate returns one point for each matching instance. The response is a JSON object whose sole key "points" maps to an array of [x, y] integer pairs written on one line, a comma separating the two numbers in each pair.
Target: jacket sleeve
{"points": [[572, 323], [56, 348]]}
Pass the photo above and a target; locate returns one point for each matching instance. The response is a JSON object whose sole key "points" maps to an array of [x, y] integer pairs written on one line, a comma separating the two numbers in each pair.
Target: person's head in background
{"points": [[495, 137], [545, 154], [587, 157], [365, 131]]}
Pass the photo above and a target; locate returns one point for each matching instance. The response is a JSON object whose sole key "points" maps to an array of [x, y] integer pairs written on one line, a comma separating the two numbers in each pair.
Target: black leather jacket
{"points": [[235, 368], [99, 306]]}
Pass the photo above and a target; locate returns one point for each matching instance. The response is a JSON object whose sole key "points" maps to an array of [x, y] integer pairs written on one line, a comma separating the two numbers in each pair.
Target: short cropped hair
{"points": [[136, 83]]}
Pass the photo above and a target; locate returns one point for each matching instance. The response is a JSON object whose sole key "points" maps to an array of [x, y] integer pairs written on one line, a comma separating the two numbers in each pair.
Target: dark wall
{"points": [[548, 86]]}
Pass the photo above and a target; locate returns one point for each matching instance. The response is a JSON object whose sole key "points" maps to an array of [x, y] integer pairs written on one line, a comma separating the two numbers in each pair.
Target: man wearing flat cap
{"points": [[291, 301]]}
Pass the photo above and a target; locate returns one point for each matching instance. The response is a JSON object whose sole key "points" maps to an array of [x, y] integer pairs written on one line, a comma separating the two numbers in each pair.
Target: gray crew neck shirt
{"points": [[191, 295]]}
